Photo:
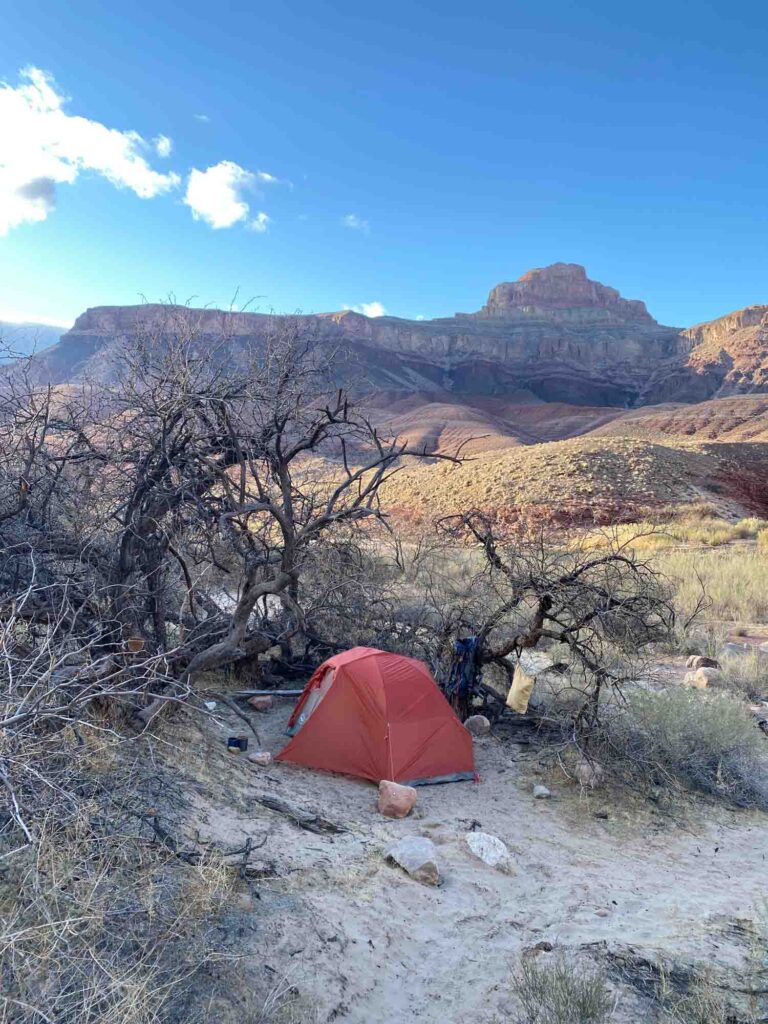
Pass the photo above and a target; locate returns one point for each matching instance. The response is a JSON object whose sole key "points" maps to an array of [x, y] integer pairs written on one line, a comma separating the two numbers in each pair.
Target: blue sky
{"points": [[422, 153]]}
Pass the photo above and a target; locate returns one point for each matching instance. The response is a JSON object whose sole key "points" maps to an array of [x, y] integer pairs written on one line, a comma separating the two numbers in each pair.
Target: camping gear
{"points": [[520, 690], [236, 744], [462, 681], [378, 716]]}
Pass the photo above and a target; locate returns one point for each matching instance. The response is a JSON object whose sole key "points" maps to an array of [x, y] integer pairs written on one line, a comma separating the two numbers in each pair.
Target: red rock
{"points": [[396, 801], [260, 703]]}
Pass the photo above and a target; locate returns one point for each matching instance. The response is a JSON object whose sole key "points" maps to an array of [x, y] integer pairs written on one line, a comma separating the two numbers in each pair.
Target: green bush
{"points": [[704, 741]]}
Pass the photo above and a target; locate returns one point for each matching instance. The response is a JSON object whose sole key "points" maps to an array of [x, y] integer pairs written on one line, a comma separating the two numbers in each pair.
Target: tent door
{"points": [[313, 700]]}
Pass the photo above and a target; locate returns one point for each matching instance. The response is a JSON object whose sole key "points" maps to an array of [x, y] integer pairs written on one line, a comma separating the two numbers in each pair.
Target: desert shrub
{"points": [[561, 992], [746, 675], [706, 742]]}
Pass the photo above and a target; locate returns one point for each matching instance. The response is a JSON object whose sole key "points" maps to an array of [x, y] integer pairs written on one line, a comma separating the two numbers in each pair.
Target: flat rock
{"points": [[541, 792], [417, 856], [396, 801], [478, 725], [490, 850]]}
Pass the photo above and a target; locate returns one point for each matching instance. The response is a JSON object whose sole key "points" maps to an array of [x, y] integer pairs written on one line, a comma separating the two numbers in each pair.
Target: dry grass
{"points": [[746, 675], [561, 992], [735, 581], [102, 922]]}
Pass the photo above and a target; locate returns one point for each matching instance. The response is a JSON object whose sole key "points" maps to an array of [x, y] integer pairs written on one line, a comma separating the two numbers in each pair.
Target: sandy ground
{"points": [[365, 944]]}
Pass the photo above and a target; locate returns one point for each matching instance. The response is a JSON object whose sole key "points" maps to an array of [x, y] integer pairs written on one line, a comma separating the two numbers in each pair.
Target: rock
{"points": [[695, 681], [417, 856], [733, 650], [396, 801], [763, 648], [260, 703], [490, 850], [709, 675], [541, 792], [478, 725], [262, 758], [590, 774], [697, 661]]}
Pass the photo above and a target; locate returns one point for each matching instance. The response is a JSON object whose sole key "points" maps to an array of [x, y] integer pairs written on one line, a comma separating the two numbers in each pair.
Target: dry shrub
{"points": [[103, 920], [706, 742], [762, 541], [746, 675], [561, 992]]}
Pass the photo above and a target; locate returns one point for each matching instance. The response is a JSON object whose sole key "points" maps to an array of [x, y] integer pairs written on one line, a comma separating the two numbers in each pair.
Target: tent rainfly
{"points": [[378, 716]]}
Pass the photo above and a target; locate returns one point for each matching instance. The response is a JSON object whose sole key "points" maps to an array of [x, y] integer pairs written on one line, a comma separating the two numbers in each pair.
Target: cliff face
{"points": [[554, 333]]}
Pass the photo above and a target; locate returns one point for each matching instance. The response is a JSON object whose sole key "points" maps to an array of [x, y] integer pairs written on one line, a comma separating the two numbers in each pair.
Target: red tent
{"points": [[379, 716]]}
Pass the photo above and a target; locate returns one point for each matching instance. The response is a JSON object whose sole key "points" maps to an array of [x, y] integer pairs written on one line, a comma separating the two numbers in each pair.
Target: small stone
{"points": [[417, 856], [490, 850], [396, 801], [262, 758], [478, 725], [260, 703], [541, 792]]}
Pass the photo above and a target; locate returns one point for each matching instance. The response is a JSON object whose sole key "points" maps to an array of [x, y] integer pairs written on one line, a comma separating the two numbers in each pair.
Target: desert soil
{"points": [[362, 942]]}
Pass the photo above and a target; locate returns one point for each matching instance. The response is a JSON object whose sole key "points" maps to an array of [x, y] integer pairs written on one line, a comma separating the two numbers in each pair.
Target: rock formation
{"points": [[554, 335]]}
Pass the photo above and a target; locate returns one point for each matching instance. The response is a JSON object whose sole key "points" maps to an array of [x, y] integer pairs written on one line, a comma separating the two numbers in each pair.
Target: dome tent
{"points": [[378, 716]]}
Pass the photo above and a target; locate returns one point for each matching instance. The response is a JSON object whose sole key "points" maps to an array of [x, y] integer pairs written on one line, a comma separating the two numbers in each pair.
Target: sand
{"points": [[363, 943]]}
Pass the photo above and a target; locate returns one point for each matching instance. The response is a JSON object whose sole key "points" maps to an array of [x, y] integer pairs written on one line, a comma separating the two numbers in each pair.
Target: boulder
{"points": [[590, 774], [695, 681], [697, 661], [396, 801], [417, 856], [541, 792], [709, 675], [262, 758], [490, 850], [260, 703], [478, 725]]}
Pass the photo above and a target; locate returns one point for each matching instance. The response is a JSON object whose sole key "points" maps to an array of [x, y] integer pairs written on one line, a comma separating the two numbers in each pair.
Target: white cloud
{"points": [[163, 145], [217, 195], [420, 317], [202, 117], [351, 220], [266, 178], [260, 223], [42, 146], [371, 309]]}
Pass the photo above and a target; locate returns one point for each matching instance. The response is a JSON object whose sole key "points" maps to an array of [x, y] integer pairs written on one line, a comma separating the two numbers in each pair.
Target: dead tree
{"points": [[603, 606], [156, 525]]}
